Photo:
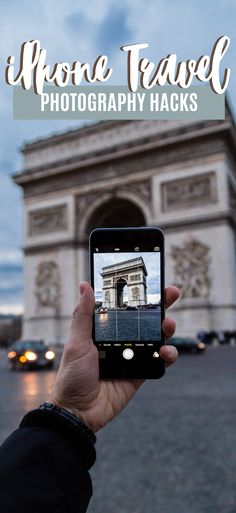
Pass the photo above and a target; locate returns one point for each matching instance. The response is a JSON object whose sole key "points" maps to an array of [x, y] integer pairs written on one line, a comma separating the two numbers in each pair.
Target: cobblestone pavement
{"points": [[173, 450]]}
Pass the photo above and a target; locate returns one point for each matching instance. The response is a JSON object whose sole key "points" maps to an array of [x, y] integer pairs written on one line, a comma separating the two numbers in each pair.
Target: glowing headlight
{"points": [[23, 358], [11, 354], [201, 345], [31, 356], [50, 355]]}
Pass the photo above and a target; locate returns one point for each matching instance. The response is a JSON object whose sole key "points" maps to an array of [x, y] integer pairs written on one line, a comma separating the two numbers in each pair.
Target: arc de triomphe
{"points": [[131, 273], [178, 175]]}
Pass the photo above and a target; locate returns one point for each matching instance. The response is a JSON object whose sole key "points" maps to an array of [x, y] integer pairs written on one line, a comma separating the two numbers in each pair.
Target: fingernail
{"points": [[82, 288]]}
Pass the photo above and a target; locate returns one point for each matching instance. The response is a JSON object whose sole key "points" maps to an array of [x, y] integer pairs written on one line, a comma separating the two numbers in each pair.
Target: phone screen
{"points": [[128, 296], [128, 281]]}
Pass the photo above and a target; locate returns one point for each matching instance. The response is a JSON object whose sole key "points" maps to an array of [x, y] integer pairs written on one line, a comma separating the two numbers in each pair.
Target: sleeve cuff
{"points": [[72, 434]]}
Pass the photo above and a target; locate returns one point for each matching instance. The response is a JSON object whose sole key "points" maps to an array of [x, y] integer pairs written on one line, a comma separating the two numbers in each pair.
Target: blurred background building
{"points": [[177, 175]]}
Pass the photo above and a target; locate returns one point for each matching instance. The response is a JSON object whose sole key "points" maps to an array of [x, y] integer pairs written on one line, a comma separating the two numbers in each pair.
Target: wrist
{"points": [[74, 411]]}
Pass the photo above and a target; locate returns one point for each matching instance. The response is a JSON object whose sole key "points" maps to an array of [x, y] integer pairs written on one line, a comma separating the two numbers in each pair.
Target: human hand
{"points": [[77, 387]]}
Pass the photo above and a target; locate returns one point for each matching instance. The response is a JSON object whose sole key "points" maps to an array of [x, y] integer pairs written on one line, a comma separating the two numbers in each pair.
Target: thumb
{"points": [[82, 319]]}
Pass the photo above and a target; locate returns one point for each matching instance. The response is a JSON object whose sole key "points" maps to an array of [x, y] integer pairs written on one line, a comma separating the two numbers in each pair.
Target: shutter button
{"points": [[128, 354]]}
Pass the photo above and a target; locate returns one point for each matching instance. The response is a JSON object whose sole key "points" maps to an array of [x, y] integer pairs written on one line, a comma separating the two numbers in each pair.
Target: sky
{"points": [[80, 30], [152, 263]]}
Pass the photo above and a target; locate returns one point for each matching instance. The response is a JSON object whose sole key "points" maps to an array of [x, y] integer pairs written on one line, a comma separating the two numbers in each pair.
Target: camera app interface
{"points": [[128, 297]]}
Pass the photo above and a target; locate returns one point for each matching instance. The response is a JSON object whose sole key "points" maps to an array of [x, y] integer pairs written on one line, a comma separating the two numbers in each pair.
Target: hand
{"points": [[77, 387]]}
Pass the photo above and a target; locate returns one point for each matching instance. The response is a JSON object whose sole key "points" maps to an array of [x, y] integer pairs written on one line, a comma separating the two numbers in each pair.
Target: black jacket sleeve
{"points": [[44, 469]]}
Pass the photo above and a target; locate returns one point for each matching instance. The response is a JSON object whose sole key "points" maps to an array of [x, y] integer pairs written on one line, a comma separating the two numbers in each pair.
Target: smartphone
{"points": [[127, 275]]}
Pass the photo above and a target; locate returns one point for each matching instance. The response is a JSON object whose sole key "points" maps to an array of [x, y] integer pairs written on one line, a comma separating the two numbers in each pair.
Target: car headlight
{"points": [[50, 355], [31, 356], [201, 345], [11, 354]]}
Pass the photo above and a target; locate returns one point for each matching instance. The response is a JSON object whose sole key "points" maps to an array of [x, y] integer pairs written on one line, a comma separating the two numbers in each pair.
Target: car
{"points": [[102, 310], [188, 345], [30, 354]]}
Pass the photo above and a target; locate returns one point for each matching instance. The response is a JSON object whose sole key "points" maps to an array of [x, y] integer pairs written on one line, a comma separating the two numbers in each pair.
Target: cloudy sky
{"points": [[77, 30], [152, 263]]}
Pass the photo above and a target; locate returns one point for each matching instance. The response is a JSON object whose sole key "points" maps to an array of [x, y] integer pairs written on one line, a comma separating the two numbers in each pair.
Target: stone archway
{"points": [[116, 212], [113, 212], [120, 285]]}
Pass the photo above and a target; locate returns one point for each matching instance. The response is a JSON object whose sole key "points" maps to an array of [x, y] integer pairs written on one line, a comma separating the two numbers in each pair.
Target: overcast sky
{"points": [[152, 263], [81, 31]]}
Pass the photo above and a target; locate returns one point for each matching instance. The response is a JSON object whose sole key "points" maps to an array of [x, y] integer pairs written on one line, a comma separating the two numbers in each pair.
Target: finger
{"points": [[171, 295], [168, 327], [169, 354], [82, 319]]}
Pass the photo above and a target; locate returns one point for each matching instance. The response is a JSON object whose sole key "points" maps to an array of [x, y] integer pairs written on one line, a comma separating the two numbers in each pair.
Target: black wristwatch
{"points": [[66, 424], [77, 421]]}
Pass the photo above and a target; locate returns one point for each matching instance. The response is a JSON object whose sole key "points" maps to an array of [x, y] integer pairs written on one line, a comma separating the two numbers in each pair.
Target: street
{"points": [[173, 450], [120, 325]]}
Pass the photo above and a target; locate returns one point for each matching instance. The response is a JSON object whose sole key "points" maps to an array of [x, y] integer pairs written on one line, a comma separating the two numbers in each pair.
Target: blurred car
{"points": [[188, 345], [102, 310], [30, 354]]}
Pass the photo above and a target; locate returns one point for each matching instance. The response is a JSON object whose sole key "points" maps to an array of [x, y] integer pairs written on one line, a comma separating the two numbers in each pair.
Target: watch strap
{"points": [[76, 420]]}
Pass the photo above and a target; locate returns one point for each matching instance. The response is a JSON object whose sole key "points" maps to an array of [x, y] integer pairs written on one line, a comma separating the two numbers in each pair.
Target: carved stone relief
{"points": [[189, 192], [83, 202], [191, 268], [47, 285], [135, 277], [135, 293], [107, 295], [47, 220], [142, 188]]}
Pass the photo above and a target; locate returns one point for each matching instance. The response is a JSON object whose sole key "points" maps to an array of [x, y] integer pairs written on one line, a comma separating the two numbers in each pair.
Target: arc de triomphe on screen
{"points": [[178, 175], [131, 273]]}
